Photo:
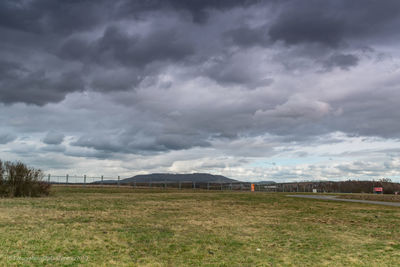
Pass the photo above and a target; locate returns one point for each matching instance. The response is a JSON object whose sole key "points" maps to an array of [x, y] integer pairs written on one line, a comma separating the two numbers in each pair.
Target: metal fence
{"points": [[80, 179], [347, 186], [118, 181], [238, 186]]}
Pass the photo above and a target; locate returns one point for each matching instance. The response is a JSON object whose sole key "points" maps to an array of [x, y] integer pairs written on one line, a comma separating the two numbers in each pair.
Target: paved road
{"points": [[335, 198]]}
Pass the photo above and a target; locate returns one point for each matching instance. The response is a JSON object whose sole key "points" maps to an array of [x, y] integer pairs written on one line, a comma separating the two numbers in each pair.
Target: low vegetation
{"points": [[349, 186], [19, 180], [103, 226], [373, 197]]}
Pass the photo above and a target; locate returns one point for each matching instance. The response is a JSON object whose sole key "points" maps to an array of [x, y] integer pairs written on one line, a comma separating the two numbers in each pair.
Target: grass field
{"points": [[127, 227]]}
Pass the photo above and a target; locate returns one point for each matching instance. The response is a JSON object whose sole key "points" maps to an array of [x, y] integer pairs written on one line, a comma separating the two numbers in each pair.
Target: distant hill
{"points": [[265, 182], [169, 177]]}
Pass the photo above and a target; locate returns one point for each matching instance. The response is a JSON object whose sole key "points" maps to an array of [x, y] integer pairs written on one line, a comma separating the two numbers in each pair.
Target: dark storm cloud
{"points": [[117, 47], [122, 60], [20, 84], [65, 17], [197, 8], [45, 16], [188, 74], [298, 28], [96, 49], [332, 23]]}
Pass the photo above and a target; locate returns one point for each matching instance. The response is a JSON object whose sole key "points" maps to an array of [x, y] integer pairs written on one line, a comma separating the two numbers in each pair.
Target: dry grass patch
{"points": [[127, 227]]}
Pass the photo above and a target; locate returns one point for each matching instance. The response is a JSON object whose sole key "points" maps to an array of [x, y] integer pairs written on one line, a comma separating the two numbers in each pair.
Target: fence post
{"points": [[165, 184], [84, 179], [208, 185], [230, 186], [66, 178], [180, 185], [102, 178], [194, 185], [134, 182], [221, 186], [118, 180]]}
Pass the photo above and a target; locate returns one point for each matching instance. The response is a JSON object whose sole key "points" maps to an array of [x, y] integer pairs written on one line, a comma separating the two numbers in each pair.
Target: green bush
{"points": [[19, 180]]}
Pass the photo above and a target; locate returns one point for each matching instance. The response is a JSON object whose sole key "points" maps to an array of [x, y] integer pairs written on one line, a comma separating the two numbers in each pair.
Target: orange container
{"points": [[252, 187]]}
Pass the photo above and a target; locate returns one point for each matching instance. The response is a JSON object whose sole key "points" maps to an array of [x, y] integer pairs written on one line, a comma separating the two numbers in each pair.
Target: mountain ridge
{"points": [[175, 177]]}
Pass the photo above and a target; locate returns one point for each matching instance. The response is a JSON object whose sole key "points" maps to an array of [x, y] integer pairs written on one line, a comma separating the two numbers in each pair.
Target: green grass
{"points": [[127, 227]]}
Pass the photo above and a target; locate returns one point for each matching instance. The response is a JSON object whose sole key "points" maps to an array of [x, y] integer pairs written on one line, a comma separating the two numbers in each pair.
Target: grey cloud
{"points": [[198, 7], [50, 160], [298, 107], [295, 120], [298, 28], [247, 37], [363, 168], [178, 142], [236, 69], [24, 150], [54, 148], [10, 11], [95, 154], [141, 51], [343, 61], [115, 79], [139, 144], [376, 105], [101, 143], [6, 138], [53, 138]]}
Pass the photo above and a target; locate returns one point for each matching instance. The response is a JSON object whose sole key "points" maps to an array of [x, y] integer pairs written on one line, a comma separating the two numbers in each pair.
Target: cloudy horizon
{"points": [[253, 90]]}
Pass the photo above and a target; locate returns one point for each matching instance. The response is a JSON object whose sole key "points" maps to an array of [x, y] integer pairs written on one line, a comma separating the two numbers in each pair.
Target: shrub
{"points": [[19, 180]]}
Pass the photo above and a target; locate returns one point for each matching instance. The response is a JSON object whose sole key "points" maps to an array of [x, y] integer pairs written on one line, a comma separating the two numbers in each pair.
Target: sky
{"points": [[284, 90]]}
